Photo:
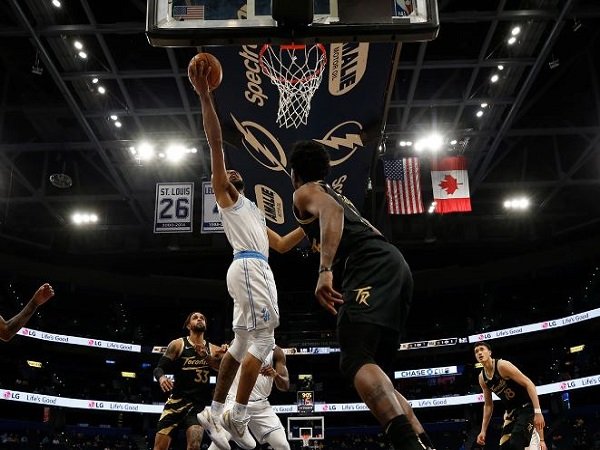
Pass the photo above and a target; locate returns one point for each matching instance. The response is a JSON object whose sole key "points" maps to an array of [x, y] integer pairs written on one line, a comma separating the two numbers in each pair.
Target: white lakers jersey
{"points": [[245, 226]]}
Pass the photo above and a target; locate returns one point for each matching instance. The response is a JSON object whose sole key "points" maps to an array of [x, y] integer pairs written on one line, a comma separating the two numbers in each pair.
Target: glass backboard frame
{"points": [[306, 422], [163, 30]]}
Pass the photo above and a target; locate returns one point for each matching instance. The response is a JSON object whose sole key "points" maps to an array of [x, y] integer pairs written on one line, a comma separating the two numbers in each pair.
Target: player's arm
{"points": [[282, 377], [225, 193], [488, 409], [506, 369], [283, 244], [10, 327], [165, 362], [216, 355], [312, 199]]}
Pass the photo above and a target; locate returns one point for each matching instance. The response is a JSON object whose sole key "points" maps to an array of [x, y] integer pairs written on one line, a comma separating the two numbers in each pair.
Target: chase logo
{"points": [[342, 141], [270, 203], [347, 65], [270, 155]]}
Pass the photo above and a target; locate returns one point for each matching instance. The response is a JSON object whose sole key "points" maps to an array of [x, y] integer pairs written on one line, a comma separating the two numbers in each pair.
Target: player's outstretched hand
{"points": [[198, 71], [165, 384], [268, 371], [328, 297], [43, 294], [481, 439]]}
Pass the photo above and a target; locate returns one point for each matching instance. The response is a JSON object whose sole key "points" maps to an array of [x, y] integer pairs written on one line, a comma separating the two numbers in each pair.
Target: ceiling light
{"points": [[175, 152], [94, 80], [500, 67], [78, 45], [145, 152], [118, 124], [83, 218], [515, 31], [132, 150], [453, 142], [56, 3], [479, 113], [484, 105], [101, 89], [82, 55], [432, 142], [193, 150], [517, 203], [511, 40], [402, 144], [494, 78], [113, 117]]}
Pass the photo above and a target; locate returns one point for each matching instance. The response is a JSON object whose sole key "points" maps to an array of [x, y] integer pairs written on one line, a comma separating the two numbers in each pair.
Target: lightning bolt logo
{"points": [[351, 141], [259, 151], [336, 142]]}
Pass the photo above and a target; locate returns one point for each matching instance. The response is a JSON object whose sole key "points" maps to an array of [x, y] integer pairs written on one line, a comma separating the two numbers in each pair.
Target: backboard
{"points": [[192, 23], [298, 427]]}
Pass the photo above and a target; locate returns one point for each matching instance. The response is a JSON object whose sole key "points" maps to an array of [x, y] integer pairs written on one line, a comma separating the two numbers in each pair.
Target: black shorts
{"points": [[178, 413], [377, 286], [366, 343], [518, 428]]}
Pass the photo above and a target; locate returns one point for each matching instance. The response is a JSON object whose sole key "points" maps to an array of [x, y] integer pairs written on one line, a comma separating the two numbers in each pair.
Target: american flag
{"points": [[188, 12], [403, 186]]}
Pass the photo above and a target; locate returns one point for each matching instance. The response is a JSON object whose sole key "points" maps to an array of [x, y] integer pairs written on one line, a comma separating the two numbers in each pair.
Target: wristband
{"points": [[537, 410], [324, 269]]}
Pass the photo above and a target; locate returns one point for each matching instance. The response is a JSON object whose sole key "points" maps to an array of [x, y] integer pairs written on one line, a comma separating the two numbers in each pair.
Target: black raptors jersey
{"points": [[376, 281], [510, 392], [192, 374], [357, 230]]}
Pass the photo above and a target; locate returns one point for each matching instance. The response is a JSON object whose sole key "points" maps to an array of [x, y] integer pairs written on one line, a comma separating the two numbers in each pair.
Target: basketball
{"points": [[216, 73]]}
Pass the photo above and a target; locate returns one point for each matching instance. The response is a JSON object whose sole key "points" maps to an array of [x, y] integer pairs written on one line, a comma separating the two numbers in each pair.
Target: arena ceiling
{"points": [[539, 135]]}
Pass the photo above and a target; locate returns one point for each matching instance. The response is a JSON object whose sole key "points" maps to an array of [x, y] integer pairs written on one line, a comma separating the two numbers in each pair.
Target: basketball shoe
{"points": [[238, 430], [213, 429]]}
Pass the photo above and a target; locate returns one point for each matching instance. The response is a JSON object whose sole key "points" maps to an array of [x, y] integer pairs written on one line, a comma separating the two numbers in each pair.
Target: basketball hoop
{"points": [[305, 440], [297, 71]]}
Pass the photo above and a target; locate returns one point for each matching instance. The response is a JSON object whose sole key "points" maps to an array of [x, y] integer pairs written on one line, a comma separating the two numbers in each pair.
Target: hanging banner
{"points": [[344, 115], [173, 210], [211, 219]]}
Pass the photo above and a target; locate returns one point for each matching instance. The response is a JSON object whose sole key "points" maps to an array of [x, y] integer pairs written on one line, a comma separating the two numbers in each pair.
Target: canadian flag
{"points": [[450, 182]]}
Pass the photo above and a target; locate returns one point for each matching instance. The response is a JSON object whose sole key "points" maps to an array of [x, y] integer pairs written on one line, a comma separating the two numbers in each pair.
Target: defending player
{"points": [[519, 396], [264, 423], [10, 327], [191, 359]]}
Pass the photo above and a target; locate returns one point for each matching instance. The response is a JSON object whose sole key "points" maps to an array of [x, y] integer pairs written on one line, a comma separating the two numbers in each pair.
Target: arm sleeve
{"points": [[163, 363]]}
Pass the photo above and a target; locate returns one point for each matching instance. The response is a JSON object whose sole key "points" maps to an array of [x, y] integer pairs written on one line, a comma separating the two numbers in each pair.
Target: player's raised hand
{"points": [[328, 297], [43, 294], [198, 71]]}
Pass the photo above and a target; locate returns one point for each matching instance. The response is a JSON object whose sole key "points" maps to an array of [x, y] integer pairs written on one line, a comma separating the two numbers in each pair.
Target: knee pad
{"points": [[276, 439], [261, 344], [239, 347], [350, 364]]}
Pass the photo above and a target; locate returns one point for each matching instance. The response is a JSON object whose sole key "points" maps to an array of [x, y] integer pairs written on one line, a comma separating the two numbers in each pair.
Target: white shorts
{"points": [[251, 285]]}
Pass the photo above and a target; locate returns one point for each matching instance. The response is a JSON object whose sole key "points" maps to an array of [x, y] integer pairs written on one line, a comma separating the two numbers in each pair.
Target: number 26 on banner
{"points": [[173, 210]]}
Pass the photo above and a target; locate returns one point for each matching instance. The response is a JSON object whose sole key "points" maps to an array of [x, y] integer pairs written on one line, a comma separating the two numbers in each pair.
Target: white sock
{"points": [[216, 408], [239, 411]]}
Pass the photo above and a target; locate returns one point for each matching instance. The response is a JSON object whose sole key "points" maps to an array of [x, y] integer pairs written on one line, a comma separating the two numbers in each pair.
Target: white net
{"points": [[297, 71]]}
